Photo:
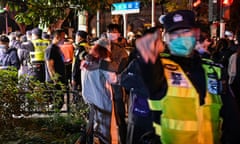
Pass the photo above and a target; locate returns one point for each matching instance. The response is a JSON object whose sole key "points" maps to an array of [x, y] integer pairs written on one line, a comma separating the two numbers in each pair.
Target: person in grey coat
{"points": [[23, 54]]}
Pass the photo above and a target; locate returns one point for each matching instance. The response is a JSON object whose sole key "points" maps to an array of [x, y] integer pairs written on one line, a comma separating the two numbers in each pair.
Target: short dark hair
{"points": [[45, 35], [57, 32], [82, 34], [112, 27], [4, 38], [204, 36], [150, 30]]}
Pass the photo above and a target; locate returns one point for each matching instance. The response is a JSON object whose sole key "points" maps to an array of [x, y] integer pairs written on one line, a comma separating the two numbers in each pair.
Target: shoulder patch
{"points": [[177, 79]]}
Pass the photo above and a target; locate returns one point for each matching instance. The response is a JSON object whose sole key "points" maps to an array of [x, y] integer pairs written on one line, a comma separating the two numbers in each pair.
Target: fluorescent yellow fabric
{"points": [[183, 120], [39, 48]]}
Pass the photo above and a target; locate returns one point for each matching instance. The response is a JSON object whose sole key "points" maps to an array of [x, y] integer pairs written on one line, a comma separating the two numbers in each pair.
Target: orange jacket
{"points": [[67, 50]]}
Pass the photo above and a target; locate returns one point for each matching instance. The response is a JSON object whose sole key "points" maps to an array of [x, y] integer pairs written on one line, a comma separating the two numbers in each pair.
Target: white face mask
{"points": [[113, 36]]}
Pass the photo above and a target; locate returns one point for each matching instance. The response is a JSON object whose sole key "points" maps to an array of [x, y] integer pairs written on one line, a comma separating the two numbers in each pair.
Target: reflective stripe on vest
{"points": [[176, 124], [183, 120], [83, 44], [158, 129], [213, 85], [154, 105], [39, 49]]}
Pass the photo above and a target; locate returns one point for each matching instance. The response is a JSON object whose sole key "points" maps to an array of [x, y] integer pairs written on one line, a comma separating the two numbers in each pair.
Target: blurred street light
{"points": [[196, 3], [227, 2]]}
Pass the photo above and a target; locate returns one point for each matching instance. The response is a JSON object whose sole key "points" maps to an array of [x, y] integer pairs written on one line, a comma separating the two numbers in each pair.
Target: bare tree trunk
{"points": [[22, 28], [59, 23]]}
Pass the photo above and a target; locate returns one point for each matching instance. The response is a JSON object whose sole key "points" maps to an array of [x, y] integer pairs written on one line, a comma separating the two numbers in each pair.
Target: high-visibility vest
{"points": [[183, 119], [77, 52], [40, 46]]}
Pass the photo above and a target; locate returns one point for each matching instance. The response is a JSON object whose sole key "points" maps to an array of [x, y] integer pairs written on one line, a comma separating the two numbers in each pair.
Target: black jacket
{"points": [[76, 71]]}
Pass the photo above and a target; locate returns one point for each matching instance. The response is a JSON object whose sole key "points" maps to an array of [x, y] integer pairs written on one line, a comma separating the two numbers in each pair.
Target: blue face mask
{"points": [[182, 46], [201, 50]]}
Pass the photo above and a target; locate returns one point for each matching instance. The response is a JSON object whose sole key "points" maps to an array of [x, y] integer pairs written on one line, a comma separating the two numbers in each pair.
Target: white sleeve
{"points": [[232, 68]]}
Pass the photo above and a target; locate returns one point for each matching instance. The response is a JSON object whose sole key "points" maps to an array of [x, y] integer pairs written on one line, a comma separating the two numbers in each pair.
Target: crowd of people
{"points": [[181, 90]]}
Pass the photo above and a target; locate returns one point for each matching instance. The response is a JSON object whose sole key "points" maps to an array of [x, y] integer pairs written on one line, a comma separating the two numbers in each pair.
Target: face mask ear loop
{"points": [[166, 38]]}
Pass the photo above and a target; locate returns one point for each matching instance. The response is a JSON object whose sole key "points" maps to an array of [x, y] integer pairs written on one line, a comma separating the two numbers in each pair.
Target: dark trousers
{"points": [[120, 112], [68, 72], [137, 127], [87, 135], [37, 70], [101, 126], [57, 99], [235, 91]]}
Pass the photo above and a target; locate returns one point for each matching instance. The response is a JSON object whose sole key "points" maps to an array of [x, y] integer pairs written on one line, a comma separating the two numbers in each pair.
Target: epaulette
{"points": [[211, 62]]}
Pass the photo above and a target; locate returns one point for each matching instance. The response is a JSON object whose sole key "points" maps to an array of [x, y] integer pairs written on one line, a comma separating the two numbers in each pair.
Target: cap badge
{"points": [[177, 18]]}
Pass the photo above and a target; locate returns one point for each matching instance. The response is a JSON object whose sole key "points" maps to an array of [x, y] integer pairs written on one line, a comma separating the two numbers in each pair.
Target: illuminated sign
{"points": [[125, 8]]}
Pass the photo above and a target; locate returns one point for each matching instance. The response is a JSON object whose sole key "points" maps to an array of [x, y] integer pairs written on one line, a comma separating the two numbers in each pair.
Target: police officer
{"points": [[37, 55], [80, 47], [185, 91]]}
